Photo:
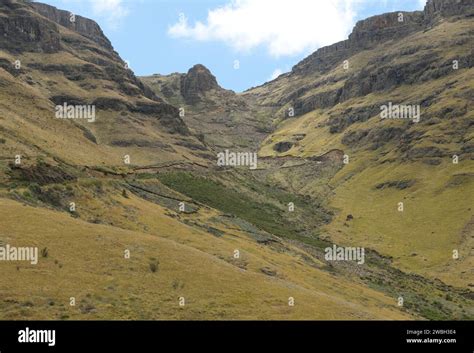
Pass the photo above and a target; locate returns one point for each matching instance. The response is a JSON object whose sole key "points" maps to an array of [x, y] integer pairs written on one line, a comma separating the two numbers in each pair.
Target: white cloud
{"points": [[275, 74], [112, 10], [284, 27]]}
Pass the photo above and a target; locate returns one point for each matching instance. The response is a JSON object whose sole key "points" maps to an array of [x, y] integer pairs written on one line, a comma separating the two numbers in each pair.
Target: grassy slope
{"points": [[265, 207], [29, 126], [86, 261], [223, 118], [438, 208]]}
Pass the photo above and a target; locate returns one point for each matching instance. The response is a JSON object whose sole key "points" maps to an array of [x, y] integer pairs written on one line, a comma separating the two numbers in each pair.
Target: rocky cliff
{"points": [[79, 24], [435, 9], [220, 117], [411, 64], [23, 32], [335, 97], [67, 59], [196, 82], [378, 29]]}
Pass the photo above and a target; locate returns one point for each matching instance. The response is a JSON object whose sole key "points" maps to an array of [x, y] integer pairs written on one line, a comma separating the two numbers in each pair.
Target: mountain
{"points": [[64, 62], [168, 234], [420, 59], [222, 118], [196, 83]]}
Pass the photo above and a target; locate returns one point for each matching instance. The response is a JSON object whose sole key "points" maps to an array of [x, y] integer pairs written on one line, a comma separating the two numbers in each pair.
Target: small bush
{"points": [[154, 266], [44, 252], [35, 188]]}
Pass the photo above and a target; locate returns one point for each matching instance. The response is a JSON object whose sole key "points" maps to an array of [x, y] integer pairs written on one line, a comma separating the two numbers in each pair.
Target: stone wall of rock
{"points": [[444, 8], [376, 29], [197, 81], [19, 31], [34, 27], [81, 25]]}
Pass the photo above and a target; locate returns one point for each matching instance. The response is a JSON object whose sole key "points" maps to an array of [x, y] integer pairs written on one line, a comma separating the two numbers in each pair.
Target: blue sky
{"points": [[243, 42]]}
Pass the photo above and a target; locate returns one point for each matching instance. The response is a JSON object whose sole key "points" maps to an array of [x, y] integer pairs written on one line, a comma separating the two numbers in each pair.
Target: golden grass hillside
{"points": [[235, 251], [86, 261], [438, 197]]}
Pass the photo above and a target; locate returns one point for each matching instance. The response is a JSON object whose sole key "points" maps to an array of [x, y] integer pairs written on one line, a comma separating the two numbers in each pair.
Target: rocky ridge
{"points": [[377, 29], [196, 82]]}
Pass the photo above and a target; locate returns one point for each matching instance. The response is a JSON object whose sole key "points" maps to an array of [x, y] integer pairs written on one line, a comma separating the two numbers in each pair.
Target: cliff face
{"points": [[22, 32], [221, 118], [443, 8], [384, 27], [412, 64], [424, 59], [81, 25], [196, 82], [381, 28], [72, 62], [336, 95]]}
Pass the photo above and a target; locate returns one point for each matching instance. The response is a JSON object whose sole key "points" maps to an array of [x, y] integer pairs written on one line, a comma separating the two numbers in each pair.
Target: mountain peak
{"points": [[197, 81], [446, 8], [377, 29], [84, 26], [199, 67]]}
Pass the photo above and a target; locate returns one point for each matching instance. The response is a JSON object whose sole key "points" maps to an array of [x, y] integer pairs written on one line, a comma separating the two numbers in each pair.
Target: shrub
{"points": [[154, 266], [44, 252]]}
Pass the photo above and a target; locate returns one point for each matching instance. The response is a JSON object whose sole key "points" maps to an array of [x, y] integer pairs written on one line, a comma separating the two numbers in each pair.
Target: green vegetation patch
{"points": [[264, 215]]}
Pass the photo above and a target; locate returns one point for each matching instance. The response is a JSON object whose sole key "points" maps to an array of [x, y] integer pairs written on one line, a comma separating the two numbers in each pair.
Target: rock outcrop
{"points": [[19, 31], [377, 29], [444, 8], [99, 78], [384, 72], [84, 26], [197, 81]]}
